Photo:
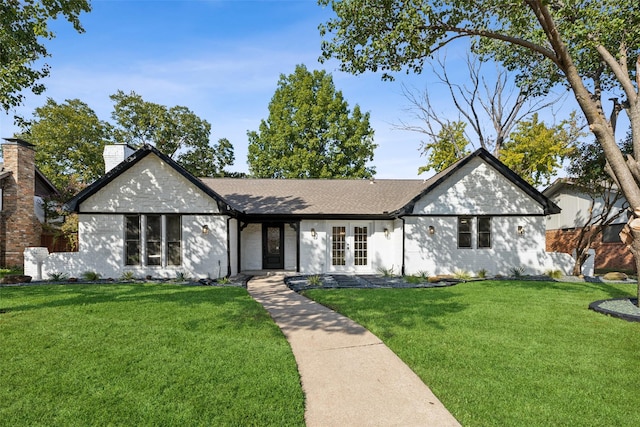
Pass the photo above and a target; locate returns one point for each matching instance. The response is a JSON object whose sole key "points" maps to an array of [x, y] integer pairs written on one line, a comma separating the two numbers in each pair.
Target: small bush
{"points": [[224, 280], [482, 273], [386, 272], [314, 280], [462, 275], [554, 274], [57, 276], [414, 280], [517, 272], [91, 276], [10, 271], [423, 274], [127, 276], [181, 277]]}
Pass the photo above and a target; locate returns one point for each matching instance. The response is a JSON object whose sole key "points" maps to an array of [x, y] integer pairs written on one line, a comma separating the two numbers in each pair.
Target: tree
{"points": [[175, 131], [310, 132], [587, 169], [69, 140], [587, 46], [535, 151], [23, 26], [448, 146], [480, 102]]}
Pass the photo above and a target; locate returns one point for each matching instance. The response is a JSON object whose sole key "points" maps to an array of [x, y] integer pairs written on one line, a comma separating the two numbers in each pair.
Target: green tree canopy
{"points": [[449, 146], [311, 133], [535, 151], [23, 26], [177, 132], [69, 140]]}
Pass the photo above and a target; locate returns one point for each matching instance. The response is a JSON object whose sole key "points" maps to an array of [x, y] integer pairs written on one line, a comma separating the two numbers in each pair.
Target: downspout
{"points": [[403, 240], [228, 247]]}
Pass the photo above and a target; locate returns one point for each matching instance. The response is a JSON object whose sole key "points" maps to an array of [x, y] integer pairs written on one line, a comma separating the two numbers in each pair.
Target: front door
{"points": [[349, 247], [273, 246]]}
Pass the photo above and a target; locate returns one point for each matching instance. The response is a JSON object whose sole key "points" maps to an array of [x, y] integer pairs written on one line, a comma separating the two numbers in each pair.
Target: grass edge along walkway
{"points": [[509, 352], [135, 354]]}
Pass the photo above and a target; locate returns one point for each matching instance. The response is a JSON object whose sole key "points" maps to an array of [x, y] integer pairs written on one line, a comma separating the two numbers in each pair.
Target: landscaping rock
{"points": [[15, 278], [614, 275]]}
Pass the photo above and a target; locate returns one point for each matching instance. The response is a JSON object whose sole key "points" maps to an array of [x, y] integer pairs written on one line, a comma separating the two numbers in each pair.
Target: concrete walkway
{"points": [[349, 377]]}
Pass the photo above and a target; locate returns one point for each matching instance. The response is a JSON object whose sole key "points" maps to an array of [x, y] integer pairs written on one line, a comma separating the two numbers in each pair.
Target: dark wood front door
{"points": [[272, 246]]}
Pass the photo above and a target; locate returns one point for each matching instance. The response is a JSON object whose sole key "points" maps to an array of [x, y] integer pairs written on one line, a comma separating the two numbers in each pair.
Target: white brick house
{"points": [[149, 216]]}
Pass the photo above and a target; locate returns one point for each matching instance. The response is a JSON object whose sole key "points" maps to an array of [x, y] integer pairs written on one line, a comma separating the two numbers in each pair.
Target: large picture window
{"points": [[154, 239]]}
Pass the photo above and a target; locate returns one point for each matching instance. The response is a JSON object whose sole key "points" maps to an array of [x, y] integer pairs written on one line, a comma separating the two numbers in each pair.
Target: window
{"points": [[156, 239], [360, 243], [611, 233], [484, 232], [174, 236], [132, 240], [464, 231], [338, 245]]}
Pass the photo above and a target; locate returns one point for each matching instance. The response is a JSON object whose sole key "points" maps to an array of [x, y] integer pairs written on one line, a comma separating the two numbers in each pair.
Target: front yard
{"points": [[516, 353], [143, 355]]}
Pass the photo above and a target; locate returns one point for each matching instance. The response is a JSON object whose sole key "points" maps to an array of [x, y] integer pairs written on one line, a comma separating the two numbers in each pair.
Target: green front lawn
{"points": [[143, 355], [510, 353]]}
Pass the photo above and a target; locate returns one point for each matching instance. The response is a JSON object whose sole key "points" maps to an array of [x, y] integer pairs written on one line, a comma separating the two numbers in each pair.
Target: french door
{"points": [[349, 249]]}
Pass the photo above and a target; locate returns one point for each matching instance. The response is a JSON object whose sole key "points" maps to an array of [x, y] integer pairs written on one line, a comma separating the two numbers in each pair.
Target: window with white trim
{"points": [[484, 232], [464, 232], [153, 240]]}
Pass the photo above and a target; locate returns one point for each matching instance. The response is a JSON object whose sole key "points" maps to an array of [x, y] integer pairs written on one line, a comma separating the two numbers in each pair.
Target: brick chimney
{"points": [[19, 226]]}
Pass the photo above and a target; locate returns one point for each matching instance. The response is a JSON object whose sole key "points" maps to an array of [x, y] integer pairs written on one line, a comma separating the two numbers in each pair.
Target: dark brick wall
{"points": [[610, 256], [20, 227]]}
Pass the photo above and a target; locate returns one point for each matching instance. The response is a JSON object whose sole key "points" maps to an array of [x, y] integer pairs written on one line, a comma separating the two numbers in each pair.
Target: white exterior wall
{"points": [[290, 237], [439, 253], [233, 246], [251, 247], [150, 186], [477, 189]]}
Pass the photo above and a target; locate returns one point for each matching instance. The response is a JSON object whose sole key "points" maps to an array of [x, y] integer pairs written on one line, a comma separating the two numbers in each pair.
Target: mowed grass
{"points": [[143, 355], [510, 353]]}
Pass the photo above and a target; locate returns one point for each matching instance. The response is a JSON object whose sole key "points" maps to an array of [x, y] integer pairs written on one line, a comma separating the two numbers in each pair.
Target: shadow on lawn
{"points": [[83, 295]]}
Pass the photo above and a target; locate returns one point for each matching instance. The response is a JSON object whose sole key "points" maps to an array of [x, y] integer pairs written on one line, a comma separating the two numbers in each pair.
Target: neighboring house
{"points": [[149, 216], [22, 191], [563, 229]]}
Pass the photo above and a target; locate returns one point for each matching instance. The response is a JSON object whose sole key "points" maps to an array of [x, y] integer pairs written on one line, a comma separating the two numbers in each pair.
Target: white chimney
{"points": [[115, 154]]}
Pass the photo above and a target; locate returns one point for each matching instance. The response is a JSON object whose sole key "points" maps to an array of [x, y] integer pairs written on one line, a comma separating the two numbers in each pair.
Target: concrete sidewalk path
{"points": [[349, 377]]}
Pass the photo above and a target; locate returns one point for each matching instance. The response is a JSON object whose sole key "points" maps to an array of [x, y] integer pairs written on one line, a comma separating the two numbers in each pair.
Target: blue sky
{"points": [[222, 60]]}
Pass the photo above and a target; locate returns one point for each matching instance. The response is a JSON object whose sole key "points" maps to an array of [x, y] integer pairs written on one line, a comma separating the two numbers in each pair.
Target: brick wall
{"points": [[20, 227], [610, 256]]}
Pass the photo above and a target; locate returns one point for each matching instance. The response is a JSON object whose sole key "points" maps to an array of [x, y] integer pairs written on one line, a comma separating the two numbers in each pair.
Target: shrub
{"points": [[386, 272], [181, 277], [423, 274], [57, 276], [314, 280], [91, 276], [224, 280], [517, 271], [482, 273], [414, 279], [554, 274], [462, 275], [127, 276]]}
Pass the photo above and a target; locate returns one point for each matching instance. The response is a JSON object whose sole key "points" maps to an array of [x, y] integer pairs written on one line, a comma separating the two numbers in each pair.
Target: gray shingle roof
{"points": [[316, 196]]}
